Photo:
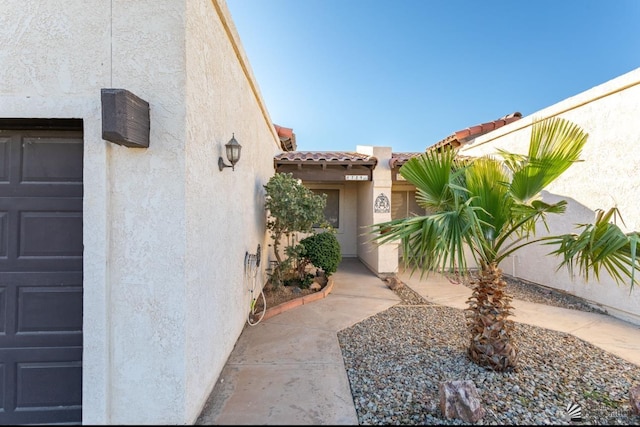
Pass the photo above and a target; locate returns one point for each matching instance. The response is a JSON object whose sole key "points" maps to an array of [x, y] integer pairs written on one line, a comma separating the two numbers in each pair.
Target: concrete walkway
{"points": [[289, 369]]}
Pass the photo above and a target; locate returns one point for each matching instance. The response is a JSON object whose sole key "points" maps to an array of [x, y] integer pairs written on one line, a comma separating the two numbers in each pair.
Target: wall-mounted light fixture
{"points": [[233, 154]]}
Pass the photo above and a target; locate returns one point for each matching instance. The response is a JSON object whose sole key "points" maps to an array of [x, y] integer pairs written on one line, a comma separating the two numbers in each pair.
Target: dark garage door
{"points": [[40, 276]]}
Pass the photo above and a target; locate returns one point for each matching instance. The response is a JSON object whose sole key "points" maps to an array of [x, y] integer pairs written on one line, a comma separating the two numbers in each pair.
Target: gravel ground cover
{"points": [[396, 359]]}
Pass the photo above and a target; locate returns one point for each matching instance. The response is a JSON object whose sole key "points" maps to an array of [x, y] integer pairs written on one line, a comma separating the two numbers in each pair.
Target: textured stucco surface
{"points": [[380, 258], [225, 215], [165, 232], [607, 177]]}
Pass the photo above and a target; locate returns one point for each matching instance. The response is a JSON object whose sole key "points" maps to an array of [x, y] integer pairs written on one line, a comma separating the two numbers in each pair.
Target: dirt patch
{"points": [[276, 295]]}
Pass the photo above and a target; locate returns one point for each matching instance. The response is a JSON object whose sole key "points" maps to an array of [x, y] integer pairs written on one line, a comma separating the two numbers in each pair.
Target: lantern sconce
{"points": [[232, 149]]}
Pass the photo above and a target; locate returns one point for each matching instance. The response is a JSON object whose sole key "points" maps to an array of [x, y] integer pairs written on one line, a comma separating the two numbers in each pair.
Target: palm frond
{"points": [[524, 220], [600, 246], [435, 241], [555, 145], [431, 174], [512, 161], [485, 182]]}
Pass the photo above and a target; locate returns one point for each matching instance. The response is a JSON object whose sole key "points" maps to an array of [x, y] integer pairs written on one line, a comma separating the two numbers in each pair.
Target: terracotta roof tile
{"points": [[339, 157], [283, 132], [459, 137], [399, 159], [287, 137]]}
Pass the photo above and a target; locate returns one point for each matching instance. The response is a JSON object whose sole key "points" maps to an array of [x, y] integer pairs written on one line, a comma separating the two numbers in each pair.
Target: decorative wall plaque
{"points": [[382, 204]]}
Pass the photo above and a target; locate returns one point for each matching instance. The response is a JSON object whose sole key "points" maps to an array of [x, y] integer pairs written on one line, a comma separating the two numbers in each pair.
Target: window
{"points": [[404, 205], [332, 209]]}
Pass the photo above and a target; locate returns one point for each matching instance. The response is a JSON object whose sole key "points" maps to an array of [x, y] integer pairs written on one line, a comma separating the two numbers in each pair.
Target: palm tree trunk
{"points": [[491, 344]]}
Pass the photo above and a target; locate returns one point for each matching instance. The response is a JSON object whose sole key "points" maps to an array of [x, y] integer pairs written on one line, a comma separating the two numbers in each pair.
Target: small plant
{"points": [[302, 282], [292, 208], [601, 397], [323, 251]]}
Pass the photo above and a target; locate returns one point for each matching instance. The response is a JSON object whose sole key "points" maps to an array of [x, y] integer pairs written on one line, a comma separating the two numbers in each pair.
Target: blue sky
{"points": [[408, 73]]}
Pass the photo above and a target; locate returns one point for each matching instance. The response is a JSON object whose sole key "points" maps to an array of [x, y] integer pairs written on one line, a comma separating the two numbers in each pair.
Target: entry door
{"points": [[40, 276]]}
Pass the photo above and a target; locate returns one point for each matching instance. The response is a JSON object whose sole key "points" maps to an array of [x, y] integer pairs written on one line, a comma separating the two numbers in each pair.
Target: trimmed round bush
{"points": [[323, 251]]}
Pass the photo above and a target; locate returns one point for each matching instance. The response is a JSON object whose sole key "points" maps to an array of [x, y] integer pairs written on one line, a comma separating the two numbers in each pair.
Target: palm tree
{"points": [[487, 208]]}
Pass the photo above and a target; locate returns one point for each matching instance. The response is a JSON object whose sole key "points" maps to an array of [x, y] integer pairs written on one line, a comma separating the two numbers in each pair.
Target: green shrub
{"points": [[292, 208], [323, 251]]}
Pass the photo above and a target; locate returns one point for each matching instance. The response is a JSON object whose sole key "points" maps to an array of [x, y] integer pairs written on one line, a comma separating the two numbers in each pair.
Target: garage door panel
{"points": [[40, 233], [35, 314], [50, 234], [41, 385], [48, 384], [42, 309], [34, 163], [51, 160]]}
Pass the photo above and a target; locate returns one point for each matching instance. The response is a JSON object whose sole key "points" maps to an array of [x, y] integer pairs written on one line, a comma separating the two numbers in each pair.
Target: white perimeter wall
{"points": [[608, 176], [225, 216], [165, 232]]}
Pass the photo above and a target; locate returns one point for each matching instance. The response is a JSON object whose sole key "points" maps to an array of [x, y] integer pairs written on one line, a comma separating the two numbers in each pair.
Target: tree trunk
{"points": [[491, 344], [276, 246], [276, 277]]}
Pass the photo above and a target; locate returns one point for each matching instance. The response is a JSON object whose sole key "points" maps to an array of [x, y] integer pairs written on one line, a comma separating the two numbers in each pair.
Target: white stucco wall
{"points": [[225, 216], [607, 176], [165, 232], [380, 258]]}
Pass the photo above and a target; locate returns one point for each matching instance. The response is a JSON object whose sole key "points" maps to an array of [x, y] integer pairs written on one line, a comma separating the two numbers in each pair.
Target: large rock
{"points": [[460, 399], [393, 283], [634, 398]]}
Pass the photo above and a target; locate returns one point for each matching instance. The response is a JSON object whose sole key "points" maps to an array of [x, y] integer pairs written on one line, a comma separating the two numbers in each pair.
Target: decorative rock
{"points": [[315, 286], [460, 399], [393, 283], [634, 398]]}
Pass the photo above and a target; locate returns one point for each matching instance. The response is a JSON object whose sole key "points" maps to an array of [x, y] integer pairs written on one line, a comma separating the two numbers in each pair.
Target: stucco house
{"points": [[607, 176], [364, 187], [122, 288], [121, 266]]}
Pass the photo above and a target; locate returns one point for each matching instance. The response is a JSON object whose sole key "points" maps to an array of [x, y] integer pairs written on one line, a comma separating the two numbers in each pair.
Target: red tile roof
{"points": [[337, 157], [290, 156], [458, 138], [287, 137], [399, 159]]}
